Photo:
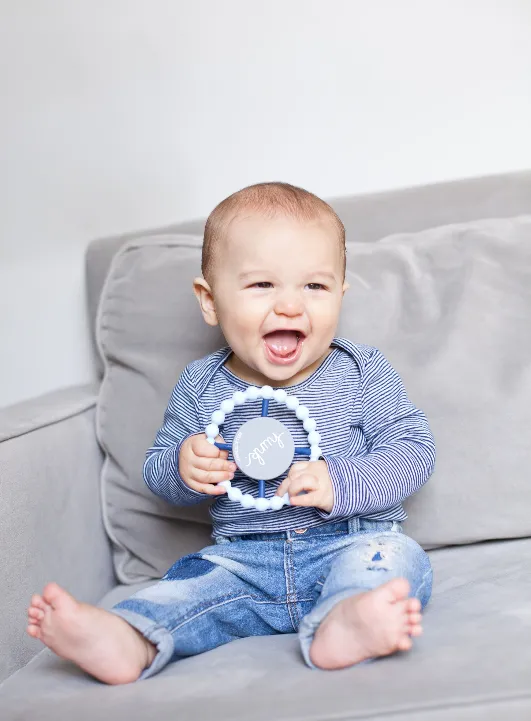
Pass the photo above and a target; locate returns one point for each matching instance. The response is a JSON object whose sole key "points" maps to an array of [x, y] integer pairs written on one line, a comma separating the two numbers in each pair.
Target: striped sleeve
{"points": [[401, 448], [161, 467]]}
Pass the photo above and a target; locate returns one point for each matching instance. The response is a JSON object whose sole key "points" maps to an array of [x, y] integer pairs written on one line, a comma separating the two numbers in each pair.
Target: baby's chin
{"points": [[282, 376]]}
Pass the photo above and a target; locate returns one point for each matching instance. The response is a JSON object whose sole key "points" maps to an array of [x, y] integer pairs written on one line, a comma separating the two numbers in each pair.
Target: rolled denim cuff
{"points": [[159, 636]]}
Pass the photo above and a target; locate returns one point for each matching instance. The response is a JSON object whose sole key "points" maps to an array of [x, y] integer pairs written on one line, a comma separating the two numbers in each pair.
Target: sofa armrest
{"points": [[50, 512]]}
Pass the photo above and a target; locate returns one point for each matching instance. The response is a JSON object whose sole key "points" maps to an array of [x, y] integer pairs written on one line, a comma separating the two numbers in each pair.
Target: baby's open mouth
{"points": [[284, 346]]}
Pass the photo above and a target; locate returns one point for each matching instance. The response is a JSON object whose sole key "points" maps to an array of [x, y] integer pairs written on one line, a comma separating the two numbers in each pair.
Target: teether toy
{"points": [[263, 448]]}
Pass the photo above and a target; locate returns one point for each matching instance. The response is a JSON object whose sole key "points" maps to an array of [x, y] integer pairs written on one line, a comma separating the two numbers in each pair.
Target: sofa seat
{"points": [[473, 662]]}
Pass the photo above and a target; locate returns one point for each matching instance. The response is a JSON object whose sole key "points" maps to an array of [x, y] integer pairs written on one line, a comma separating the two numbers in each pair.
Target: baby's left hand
{"points": [[311, 477]]}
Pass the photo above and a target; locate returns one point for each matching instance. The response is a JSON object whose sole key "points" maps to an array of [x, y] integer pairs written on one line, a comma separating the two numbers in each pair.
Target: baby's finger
{"points": [[222, 454], [201, 447], [283, 488], [200, 476], [293, 486], [298, 468], [305, 482], [307, 499], [214, 464], [208, 489]]}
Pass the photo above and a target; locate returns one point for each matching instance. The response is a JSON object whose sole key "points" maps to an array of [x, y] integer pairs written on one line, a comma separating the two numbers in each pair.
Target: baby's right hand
{"points": [[202, 466]]}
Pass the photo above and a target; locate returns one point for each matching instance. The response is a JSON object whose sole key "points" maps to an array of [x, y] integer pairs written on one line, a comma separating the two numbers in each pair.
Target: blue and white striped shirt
{"points": [[377, 445]]}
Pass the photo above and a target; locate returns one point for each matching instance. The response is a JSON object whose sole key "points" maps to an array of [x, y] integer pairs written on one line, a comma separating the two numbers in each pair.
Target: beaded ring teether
{"points": [[263, 446]]}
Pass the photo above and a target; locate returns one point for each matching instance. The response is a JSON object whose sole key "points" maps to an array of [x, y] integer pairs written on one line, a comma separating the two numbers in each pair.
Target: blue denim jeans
{"points": [[271, 583]]}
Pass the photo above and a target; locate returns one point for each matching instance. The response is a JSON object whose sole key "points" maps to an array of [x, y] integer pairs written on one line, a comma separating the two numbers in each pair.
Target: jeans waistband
{"points": [[326, 529]]}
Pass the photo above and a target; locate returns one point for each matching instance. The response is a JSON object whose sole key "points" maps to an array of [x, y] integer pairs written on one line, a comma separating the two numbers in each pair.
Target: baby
{"points": [[334, 565]]}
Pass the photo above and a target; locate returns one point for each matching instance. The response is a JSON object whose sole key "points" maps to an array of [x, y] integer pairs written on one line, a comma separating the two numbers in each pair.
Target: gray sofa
{"points": [[441, 282]]}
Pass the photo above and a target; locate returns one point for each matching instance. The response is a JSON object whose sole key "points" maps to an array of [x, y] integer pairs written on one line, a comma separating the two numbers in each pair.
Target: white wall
{"points": [[124, 114]]}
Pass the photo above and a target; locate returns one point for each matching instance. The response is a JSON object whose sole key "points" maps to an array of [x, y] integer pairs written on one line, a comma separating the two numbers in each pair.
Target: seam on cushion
{"points": [[26, 665], [78, 410], [99, 333]]}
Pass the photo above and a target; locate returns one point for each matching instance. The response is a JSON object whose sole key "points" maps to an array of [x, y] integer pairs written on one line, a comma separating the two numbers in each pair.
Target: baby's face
{"points": [[277, 288]]}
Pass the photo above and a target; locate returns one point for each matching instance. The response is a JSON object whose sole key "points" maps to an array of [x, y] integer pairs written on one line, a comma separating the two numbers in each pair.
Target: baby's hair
{"points": [[268, 200]]}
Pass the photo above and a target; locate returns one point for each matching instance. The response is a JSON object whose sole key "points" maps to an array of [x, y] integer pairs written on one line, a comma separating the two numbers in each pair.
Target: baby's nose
{"points": [[289, 304]]}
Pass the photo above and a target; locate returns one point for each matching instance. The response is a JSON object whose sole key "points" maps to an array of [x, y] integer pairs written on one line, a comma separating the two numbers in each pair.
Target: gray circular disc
{"points": [[263, 448]]}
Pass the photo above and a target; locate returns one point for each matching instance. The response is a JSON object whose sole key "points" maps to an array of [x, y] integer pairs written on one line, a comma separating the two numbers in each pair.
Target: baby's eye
{"points": [[315, 286], [262, 284]]}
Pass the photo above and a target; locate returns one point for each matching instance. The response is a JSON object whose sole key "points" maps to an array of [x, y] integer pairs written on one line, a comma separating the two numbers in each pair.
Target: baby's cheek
{"points": [[326, 313], [244, 317]]}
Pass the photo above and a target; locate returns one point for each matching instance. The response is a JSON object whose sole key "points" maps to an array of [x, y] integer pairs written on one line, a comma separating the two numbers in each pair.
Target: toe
{"points": [[413, 605], [35, 614], [38, 602], [395, 590], [415, 630], [33, 630], [405, 643], [414, 619], [401, 614]]}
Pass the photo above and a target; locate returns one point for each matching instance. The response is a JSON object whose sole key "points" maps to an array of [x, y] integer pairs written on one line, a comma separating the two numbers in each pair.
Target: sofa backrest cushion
{"points": [[449, 306]]}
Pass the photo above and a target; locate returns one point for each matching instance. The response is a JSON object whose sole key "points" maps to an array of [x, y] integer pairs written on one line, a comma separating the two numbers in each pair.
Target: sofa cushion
{"points": [[450, 307], [472, 663], [149, 328]]}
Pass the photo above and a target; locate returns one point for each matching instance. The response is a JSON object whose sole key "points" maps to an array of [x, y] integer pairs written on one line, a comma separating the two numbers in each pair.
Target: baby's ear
{"points": [[203, 293]]}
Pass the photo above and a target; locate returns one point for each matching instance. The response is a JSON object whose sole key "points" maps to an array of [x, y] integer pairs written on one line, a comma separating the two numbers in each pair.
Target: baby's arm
{"points": [[401, 448], [178, 448]]}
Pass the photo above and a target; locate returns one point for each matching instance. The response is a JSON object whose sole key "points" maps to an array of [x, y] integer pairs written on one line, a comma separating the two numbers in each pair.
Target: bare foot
{"points": [[100, 642], [371, 624]]}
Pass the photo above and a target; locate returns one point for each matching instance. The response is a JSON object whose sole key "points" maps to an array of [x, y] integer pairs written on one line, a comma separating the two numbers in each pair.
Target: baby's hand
{"points": [[202, 466], [311, 477]]}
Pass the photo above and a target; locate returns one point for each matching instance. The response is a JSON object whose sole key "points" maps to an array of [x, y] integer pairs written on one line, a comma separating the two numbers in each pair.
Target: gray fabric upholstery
{"points": [[50, 524], [474, 659], [31, 415], [149, 328], [449, 306], [472, 663], [366, 217]]}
